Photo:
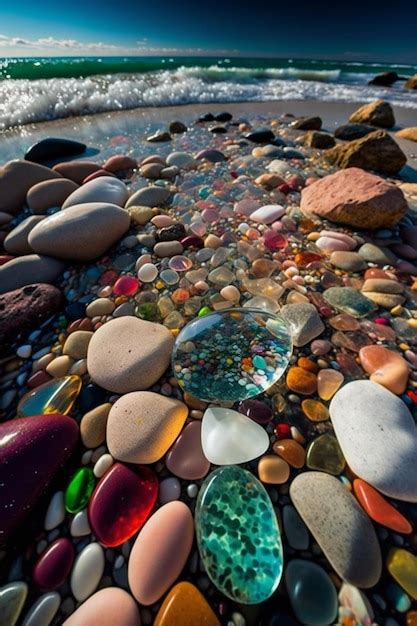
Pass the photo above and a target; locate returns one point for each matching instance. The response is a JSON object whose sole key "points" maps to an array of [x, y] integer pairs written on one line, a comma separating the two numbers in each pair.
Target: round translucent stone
{"points": [[231, 355]]}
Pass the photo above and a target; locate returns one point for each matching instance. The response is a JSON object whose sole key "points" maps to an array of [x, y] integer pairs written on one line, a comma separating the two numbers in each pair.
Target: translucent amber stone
{"points": [[315, 410], [55, 396], [324, 454], [328, 382], [301, 381], [185, 606], [291, 451]]}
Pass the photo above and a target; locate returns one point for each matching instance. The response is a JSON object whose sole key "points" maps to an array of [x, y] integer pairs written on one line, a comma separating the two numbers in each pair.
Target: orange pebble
{"points": [[315, 410], [379, 509], [301, 381], [291, 451], [185, 606], [411, 618], [308, 365]]}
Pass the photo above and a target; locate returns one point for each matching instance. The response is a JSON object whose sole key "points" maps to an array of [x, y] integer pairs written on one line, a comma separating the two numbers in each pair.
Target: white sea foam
{"points": [[25, 101]]}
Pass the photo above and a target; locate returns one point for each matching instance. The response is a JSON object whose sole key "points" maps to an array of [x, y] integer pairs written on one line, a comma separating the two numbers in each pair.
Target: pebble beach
{"points": [[208, 353]]}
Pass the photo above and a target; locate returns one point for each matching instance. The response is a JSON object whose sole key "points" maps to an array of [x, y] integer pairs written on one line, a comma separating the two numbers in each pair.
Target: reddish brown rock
{"points": [[376, 151], [24, 309], [356, 198], [49, 193], [119, 163], [377, 113], [76, 170], [16, 178]]}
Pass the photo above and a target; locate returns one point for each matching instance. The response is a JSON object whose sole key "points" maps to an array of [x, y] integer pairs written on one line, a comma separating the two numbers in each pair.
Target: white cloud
{"points": [[52, 46]]}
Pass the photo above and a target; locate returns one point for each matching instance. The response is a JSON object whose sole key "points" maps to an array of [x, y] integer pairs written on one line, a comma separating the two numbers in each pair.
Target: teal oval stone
{"points": [[312, 593], [238, 535], [79, 490]]}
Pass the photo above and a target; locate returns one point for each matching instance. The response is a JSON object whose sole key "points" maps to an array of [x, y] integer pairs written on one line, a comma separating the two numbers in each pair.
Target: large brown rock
{"points": [[49, 193], [16, 178], [356, 198], [80, 233], [318, 139], [377, 113], [376, 151], [408, 133], [16, 241], [411, 83], [23, 309], [28, 269]]}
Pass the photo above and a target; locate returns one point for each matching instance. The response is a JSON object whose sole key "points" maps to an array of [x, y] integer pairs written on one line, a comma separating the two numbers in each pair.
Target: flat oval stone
{"points": [[301, 381], [143, 425], [228, 437], [402, 565], [103, 189], [53, 148], [386, 367], [121, 503], [42, 442], [377, 435], [340, 527], [53, 397], [273, 470], [149, 196], [255, 409], [238, 535], [291, 451], [267, 214], [295, 530], [54, 565], [240, 353], [12, 599], [185, 606], [186, 457], [81, 234], [48, 194], [349, 300], [43, 610], [312, 593], [87, 571], [379, 509], [160, 552], [113, 605], [129, 354], [328, 382]]}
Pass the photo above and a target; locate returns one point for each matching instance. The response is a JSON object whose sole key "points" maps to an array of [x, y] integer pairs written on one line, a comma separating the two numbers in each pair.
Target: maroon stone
{"points": [[32, 450], [192, 241], [54, 565], [38, 378], [121, 503], [186, 457], [97, 174], [119, 163], [255, 409], [24, 309]]}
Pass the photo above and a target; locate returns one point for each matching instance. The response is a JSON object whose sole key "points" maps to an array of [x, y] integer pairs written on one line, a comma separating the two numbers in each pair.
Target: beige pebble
{"points": [[273, 470], [212, 241], [140, 214], [59, 366], [168, 248], [76, 344], [41, 363], [230, 293], [93, 425], [142, 426], [79, 368], [101, 306]]}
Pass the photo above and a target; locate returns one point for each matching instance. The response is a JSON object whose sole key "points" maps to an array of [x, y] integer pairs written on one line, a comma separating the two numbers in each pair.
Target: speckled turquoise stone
{"points": [[238, 535]]}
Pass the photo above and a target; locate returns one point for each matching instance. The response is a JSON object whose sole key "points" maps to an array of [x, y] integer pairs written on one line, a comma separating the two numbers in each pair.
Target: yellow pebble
{"points": [[396, 310], [404, 346], [229, 361], [412, 322], [402, 565], [160, 284]]}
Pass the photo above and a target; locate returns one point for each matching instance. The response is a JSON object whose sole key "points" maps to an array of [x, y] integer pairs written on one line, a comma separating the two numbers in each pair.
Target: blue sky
{"points": [[366, 30]]}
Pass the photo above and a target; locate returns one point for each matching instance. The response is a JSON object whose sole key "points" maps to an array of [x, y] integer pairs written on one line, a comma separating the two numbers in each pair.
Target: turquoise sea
{"points": [[40, 89]]}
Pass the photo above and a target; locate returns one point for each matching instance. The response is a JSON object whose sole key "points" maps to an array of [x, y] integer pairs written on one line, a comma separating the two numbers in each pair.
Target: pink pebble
{"points": [[267, 214], [350, 241], [245, 207], [330, 244], [210, 216], [320, 347], [161, 221]]}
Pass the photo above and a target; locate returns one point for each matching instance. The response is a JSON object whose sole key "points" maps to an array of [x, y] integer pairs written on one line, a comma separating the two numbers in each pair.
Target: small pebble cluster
{"points": [[145, 300]]}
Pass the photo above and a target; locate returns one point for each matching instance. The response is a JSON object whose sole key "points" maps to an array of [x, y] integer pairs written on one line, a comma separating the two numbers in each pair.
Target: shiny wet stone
{"points": [[349, 300], [79, 490], [238, 535], [324, 454], [55, 396], [312, 593], [231, 355]]}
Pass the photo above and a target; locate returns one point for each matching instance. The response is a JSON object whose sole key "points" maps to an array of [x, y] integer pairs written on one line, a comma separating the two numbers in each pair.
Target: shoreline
{"points": [[99, 126]]}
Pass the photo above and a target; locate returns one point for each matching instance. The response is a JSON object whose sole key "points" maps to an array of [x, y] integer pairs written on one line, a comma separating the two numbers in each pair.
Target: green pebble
{"points": [[204, 311], [79, 490]]}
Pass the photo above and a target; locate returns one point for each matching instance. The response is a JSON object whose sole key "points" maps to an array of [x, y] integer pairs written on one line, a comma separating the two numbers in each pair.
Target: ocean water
{"points": [[41, 89]]}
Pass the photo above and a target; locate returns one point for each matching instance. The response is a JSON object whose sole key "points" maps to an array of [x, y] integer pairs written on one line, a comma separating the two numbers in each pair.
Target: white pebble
{"points": [[87, 571], [147, 272], [79, 525], [102, 465], [55, 514], [43, 610], [169, 489]]}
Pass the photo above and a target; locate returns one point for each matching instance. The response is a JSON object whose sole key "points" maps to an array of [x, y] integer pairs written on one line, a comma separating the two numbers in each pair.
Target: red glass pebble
{"points": [[413, 396], [274, 240], [284, 188], [121, 503], [282, 431], [382, 321], [192, 241], [5, 258], [126, 286], [54, 565]]}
